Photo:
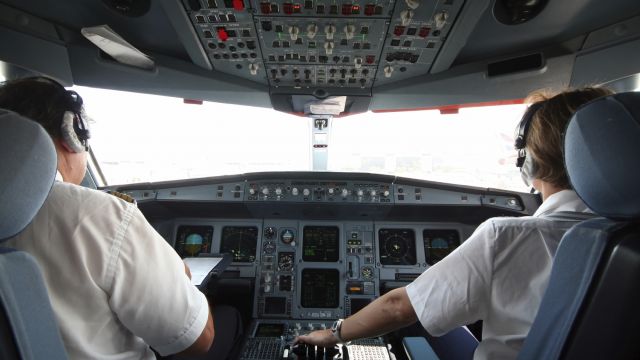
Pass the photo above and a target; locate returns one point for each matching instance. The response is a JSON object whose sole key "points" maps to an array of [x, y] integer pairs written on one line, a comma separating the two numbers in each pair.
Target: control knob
{"points": [[388, 70], [306, 192], [293, 32], [385, 193], [265, 191], [267, 288], [294, 191], [312, 29], [252, 191], [269, 232], [373, 193], [278, 191], [360, 193], [328, 47], [345, 193], [331, 191], [253, 69], [329, 30]]}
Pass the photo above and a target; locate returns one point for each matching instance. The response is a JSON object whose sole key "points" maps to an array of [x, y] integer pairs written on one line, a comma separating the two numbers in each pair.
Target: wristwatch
{"points": [[336, 330]]}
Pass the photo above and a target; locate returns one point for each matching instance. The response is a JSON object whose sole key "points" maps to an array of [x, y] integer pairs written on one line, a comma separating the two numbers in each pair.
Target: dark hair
{"points": [[546, 135], [39, 98]]}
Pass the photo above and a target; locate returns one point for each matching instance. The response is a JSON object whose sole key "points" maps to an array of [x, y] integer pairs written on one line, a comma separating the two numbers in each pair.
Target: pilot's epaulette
{"points": [[122, 196]]}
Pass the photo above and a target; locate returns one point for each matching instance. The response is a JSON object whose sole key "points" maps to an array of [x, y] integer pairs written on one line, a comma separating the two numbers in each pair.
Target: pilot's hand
{"points": [[187, 270], [322, 338]]}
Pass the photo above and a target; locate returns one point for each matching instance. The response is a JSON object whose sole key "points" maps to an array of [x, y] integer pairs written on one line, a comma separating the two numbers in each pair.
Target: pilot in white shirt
{"points": [[116, 286], [500, 273]]}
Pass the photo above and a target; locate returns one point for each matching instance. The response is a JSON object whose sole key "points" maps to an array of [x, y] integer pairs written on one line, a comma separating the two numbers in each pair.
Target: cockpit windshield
{"points": [[140, 138]]}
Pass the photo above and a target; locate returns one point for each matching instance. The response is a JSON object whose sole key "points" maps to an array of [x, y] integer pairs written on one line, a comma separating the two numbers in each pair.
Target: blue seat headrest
{"points": [[29, 165], [602, 155]]}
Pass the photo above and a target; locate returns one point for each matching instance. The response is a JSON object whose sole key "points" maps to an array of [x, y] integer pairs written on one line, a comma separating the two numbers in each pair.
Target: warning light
{"points": [[238, 5], [346, 9], [222, 34], [287, 8]]}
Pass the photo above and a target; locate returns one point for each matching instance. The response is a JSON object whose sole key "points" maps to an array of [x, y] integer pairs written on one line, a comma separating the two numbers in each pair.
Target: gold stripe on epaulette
{"points": [[122, 196]]}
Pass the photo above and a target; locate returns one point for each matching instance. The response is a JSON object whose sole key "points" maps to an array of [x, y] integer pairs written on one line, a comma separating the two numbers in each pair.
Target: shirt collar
{"points": [[59, 176], [564, 200]]}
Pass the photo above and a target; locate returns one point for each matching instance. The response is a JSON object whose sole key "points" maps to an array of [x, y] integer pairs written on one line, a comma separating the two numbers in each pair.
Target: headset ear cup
{"points": [[528, 170], [68, 133]]}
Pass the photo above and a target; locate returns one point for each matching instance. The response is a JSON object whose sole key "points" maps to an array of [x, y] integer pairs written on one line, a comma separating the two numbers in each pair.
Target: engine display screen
{"points": [[357, 304], [275, 305], [241, 242], [397, 246], [193, 240], [320, 288], [439, 243], [270, 330], [321, 244]]}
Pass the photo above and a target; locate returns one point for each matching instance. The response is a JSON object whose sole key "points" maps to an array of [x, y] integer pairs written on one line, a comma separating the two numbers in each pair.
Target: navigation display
{"points": [[320, 288], [241, 242], [320, 244], [193, 240], [397, 246], [439, 243]]}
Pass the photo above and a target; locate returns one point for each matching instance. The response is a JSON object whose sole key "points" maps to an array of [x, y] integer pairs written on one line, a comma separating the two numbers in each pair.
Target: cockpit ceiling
{"points": [[382, 54]]}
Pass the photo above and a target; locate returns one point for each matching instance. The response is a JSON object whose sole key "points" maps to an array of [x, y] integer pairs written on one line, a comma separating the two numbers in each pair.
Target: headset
{"points": [[74, 128], [525, 163]]}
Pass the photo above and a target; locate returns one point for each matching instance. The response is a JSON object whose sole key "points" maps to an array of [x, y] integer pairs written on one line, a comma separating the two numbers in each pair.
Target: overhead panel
{"points": [[331, 45]]}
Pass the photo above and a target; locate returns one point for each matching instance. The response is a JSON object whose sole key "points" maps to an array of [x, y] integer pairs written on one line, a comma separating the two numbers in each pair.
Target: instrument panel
{"points": [[311, 248], [319, 270]]}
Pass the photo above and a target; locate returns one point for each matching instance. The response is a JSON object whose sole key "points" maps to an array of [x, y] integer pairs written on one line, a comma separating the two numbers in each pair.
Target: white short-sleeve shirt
{"points": [[498, 275], [116, 286]]}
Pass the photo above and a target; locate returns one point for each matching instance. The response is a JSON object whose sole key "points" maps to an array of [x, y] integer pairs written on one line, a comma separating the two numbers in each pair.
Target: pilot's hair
{"points": [[546, 134], [41, 99]]}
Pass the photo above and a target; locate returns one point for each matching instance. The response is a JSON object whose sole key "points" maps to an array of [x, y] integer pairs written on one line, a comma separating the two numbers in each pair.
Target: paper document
{"points": [[200, 267], [118, 48]]}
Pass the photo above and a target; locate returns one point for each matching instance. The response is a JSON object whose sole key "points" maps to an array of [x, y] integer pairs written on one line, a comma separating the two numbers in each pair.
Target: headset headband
{"points": [[523, 129], [80, 127]]}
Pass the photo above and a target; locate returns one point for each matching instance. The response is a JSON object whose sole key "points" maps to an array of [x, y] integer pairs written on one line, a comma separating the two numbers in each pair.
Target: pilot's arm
{"points": [[391, 311], [152, 295], [203, 343], [452, 293]]}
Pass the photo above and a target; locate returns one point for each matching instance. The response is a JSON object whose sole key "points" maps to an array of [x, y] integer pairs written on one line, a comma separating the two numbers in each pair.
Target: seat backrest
{"points": [[591, 308], [28, 329]]}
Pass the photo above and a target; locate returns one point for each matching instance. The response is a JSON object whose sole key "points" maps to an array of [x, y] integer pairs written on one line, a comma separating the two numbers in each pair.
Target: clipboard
{"points": [[207, 267]]}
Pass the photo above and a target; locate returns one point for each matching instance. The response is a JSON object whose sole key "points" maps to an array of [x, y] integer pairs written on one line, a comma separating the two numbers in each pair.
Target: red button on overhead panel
{"points": [[265, 7], [346, 9], [238, 5], [222, 34], [398, 30], [287, 8]]}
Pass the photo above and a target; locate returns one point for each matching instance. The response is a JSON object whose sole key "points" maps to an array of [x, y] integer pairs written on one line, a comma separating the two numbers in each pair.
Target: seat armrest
{"points": [[417, 348]]}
